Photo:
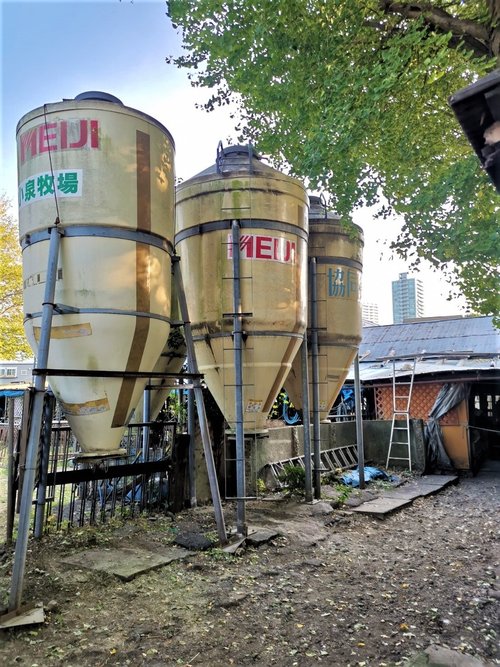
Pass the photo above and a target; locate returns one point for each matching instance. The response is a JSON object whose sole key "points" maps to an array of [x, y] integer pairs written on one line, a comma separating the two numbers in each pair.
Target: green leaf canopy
{"points": [[351, 96]]}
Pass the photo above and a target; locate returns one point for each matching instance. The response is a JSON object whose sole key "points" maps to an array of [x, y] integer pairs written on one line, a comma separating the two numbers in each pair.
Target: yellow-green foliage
{"points": [[13, 344]]}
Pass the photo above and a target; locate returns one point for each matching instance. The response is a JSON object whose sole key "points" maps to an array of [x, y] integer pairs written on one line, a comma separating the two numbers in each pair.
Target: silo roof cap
{"points": [[98, 95], [240, 150]]}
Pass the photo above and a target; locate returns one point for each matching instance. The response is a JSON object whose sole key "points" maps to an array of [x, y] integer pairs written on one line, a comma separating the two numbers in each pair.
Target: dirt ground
{"points": [[335, 588]]}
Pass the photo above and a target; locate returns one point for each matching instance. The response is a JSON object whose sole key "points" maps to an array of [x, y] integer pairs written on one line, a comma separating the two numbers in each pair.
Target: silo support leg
{"points": [[313, 281], [44, 465], [359, 424], [18, 568], [200, 404], [192, 454], [306, 421]]}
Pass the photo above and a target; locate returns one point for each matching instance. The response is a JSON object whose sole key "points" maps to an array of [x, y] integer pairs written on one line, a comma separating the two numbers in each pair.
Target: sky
{"points": [[56, 50]]}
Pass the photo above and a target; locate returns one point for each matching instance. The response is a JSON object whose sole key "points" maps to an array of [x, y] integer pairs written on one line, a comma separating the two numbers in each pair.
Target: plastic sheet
{"points": [[450, 395], [351, 478]]}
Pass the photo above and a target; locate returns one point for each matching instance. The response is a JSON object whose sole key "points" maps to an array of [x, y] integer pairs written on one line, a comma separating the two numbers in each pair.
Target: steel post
{"points": [[313, 281], [359, 424], [146, 418], [18, 568], [10, 471], [200, 404], [192, 451], [44, 465], [306, 420]]}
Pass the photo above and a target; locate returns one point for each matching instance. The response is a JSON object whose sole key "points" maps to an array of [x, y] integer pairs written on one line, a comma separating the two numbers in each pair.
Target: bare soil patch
{"points": [[335, 588]]}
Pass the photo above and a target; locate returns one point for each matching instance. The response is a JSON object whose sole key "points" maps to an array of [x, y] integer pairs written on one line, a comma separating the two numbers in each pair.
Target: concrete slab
{"points": [[233, 547], [382, 506], [442, 480], [260, 536], [30, 614], [429, 489], [125, 563], [428, 484], [439, 656], [394, 499], [403, 494]]}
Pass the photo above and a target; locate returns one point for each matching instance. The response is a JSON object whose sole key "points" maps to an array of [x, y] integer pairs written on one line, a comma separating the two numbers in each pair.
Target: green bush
{"points": [[294, 478]]}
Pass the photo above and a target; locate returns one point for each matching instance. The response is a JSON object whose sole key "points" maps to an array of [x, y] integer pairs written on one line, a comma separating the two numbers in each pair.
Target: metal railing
{"points": [[78, 493]]}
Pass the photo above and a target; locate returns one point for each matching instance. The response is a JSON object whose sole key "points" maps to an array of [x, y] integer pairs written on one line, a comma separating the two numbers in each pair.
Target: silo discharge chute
{"points": [[104, 173], [270, 210], [338, 251], [171, 361]]}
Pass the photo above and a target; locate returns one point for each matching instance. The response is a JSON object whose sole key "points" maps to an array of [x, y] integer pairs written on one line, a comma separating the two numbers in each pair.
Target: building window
{"points": [[8, 372]]}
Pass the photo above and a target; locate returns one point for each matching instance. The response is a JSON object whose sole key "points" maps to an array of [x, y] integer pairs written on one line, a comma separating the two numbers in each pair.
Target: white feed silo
{"points": [[337, 249], [105, 174], [270, 209]]}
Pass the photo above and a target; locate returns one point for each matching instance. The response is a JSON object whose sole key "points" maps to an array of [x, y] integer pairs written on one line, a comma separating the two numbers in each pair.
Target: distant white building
{"points": [[15, 372], [15, 377], [370, 312]]}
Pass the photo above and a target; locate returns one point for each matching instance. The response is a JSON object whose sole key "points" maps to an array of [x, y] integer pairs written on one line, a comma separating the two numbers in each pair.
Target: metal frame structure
{"points": [[37, 418]]}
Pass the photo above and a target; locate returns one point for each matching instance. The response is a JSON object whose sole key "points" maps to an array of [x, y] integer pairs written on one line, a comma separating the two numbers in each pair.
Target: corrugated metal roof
{"points": [[471, 335], [370, 371]]}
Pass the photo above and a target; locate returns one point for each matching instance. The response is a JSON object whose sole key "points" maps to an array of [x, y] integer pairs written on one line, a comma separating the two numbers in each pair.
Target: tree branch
{"points": [[476, 36]]}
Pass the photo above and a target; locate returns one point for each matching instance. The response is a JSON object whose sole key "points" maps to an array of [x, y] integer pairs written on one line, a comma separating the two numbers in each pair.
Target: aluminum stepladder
{"points": [[401, 401]]}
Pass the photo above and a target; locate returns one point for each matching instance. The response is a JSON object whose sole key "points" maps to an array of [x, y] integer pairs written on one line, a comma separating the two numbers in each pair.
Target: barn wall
{"points": [[454, 423]]}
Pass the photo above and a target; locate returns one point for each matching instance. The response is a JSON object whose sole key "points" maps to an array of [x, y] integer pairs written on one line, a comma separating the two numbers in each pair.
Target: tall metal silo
{"points": [[337, 253], [270, 211], [103, 174]]}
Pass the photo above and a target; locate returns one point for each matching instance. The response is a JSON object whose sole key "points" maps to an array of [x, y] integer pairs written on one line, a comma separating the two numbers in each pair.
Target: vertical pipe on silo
{"points": [[241, 528], [315, 378], [18, 568]]}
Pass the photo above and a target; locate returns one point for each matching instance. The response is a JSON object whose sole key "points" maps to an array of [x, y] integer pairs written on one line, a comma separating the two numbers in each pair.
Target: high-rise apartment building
{"points": [[407, 299], [370, 312]]}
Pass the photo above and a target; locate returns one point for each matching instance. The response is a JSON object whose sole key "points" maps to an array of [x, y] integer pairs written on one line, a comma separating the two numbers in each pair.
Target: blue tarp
{"points": [[351, 478]]}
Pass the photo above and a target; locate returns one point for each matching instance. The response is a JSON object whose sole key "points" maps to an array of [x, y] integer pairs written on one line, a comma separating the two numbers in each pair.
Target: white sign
{"points": [[64, 183]]}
